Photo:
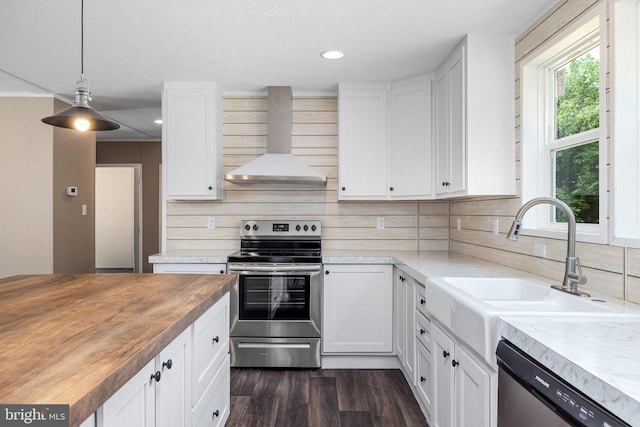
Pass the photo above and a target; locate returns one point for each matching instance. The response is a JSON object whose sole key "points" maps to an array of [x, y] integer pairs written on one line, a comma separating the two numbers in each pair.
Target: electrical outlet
{"points": [[496, 225], [380, 223], [540, 250], [211, 222], [459, 223]]}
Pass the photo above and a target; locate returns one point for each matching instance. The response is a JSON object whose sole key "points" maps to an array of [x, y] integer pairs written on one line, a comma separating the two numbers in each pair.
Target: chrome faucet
{"points": [[572, 270]]}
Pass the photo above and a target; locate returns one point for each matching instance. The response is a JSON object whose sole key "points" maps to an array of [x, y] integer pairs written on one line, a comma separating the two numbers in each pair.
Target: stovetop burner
{"points": [[279, 242]]}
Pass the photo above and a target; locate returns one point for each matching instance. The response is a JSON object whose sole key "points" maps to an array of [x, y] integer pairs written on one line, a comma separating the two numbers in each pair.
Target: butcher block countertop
{"points": [[76, 339]]}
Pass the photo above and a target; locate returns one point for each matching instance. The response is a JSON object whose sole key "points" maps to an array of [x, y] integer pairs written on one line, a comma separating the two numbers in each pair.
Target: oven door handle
{"points": [[274, 268]]}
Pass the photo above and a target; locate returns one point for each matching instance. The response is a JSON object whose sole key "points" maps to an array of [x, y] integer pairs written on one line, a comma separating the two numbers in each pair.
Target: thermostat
{"points": [[72, 191]]}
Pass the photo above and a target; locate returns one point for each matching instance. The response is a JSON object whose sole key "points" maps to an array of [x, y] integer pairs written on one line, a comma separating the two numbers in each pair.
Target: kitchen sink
{"points": [[470, 306]]}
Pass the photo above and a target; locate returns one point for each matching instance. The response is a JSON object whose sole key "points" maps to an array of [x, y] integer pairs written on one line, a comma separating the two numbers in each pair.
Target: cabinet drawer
{"points": [[213, 408], [421, 300], [210, 344], [423, 330], [425, 381]]}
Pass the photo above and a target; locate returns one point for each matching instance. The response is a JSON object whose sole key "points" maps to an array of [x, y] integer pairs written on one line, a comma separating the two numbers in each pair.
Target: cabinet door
{"points": [[173, 391], [362, 148], [473, 392], [443, 378], [192, 140], [441, 116], [133, 405], [410, 143], [358, 309], [400, 316], [457, 121], [409, 330]]}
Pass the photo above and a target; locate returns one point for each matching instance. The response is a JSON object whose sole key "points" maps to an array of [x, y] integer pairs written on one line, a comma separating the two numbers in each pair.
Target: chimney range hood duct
{"points": [[278, 165]]}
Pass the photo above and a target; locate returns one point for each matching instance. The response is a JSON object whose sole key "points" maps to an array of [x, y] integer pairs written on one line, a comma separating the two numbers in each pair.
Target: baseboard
{"points": [[360, 362]]}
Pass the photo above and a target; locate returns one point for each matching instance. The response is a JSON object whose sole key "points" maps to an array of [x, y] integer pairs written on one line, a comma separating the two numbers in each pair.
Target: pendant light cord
{"points": [[82, 39]]}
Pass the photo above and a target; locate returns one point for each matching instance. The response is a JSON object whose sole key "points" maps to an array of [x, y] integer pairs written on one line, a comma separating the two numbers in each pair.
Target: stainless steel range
{"points": [[276, 304]]}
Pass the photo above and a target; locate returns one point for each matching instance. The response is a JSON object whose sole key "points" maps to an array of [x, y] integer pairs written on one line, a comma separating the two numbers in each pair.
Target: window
{"points": [[563, 138]]}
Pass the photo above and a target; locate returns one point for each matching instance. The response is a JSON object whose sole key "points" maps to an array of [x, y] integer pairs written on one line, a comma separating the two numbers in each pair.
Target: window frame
{"points": [[537, 125]]}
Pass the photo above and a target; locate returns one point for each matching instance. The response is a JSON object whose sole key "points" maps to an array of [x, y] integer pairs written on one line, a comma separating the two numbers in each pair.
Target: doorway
{"points": [[119, 218]]}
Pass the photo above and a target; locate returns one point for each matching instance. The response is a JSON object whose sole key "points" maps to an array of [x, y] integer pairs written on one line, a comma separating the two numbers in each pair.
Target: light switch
{"points": [[211, 222], [380, 223], [84, 210]]}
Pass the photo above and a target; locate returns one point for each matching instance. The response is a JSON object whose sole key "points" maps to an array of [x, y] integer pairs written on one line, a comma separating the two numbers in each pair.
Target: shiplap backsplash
{"points": [[611, 270], [346, 224]]}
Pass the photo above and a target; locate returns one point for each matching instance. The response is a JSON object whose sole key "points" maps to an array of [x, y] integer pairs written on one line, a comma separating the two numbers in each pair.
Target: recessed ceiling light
{"points": [[158, 121], [332, 54]]}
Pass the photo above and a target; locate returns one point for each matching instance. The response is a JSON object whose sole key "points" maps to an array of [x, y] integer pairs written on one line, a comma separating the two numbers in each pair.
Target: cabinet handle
{"points": [[210, 188], [423, 301], [454, 363], [156, 376], [326, 272], [216, 339], [216, 413], [168, 364], [390, 188], [445, 353], [422, 379], [221, 271], [344, 188], [422, 331]]}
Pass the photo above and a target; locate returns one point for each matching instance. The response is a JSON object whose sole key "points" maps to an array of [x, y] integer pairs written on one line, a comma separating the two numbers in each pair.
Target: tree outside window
{"points": [[574, 150]]}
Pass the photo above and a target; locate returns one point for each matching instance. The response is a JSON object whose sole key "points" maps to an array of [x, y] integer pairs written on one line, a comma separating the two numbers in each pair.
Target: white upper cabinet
{"points": [[192, 140], [410, 142], [385, 149], [362, 148], [474, 118]]}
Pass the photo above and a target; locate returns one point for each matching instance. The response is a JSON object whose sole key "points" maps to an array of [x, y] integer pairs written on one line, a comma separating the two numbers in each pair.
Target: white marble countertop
{"points": [[599, 356]]}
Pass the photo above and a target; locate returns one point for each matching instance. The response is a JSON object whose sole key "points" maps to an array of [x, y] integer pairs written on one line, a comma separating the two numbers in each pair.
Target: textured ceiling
{"points": [[132, 46]]}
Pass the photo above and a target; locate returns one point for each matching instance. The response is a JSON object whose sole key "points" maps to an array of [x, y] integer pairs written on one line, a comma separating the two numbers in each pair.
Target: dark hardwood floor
{"points": [[327, 397]]}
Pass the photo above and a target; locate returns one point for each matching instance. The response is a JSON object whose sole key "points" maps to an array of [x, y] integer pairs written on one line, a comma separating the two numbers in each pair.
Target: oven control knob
{"points": [[298, 227], [313, 228], [247, 227], [306, 227], [255, 227]]}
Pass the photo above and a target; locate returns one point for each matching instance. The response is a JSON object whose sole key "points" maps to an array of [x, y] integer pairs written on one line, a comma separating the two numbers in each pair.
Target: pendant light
{"points": [[80, 115]]}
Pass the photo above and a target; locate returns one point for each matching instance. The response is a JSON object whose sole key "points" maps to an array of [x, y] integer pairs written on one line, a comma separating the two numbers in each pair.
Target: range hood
{"points": [[278, 165]]}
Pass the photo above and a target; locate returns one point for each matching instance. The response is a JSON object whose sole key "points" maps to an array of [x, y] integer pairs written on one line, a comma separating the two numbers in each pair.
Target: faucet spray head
{"points": [[514, 231]]}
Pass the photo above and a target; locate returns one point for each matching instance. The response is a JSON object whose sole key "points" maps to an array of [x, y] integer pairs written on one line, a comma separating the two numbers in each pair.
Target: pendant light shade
{"points": [[80, 115]]}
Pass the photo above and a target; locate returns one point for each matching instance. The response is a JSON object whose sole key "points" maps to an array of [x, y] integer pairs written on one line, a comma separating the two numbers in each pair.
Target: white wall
{"points": [[114, 217]]}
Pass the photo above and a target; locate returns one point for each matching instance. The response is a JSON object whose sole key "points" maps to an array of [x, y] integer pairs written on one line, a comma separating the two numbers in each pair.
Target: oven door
{"points": [[276, 300]]}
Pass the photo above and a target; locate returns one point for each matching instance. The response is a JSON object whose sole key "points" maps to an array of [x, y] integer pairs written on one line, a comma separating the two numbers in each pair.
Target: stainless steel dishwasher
{"points": [[529, 395]]}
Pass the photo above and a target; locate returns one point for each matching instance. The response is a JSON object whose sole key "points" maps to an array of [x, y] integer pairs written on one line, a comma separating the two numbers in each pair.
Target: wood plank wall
{"points": [[346, 224], [611, 270]]}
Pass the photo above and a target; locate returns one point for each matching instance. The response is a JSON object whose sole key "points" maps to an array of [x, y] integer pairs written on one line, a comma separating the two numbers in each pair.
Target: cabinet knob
{"points": [[422, 379], [168, 364], [216, 339], [454, 363], [216, 413], [423, 301], [422, 331], [326, 272], [445, 353], [210, 187], [156, 376], [344, 188], [221, 271], [390, 188]]}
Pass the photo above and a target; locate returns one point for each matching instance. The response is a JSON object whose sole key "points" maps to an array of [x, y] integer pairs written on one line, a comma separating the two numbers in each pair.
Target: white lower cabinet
{"points": [[405, 324], [358, 309], [424, 384], [185, 385], [461, 385]]}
